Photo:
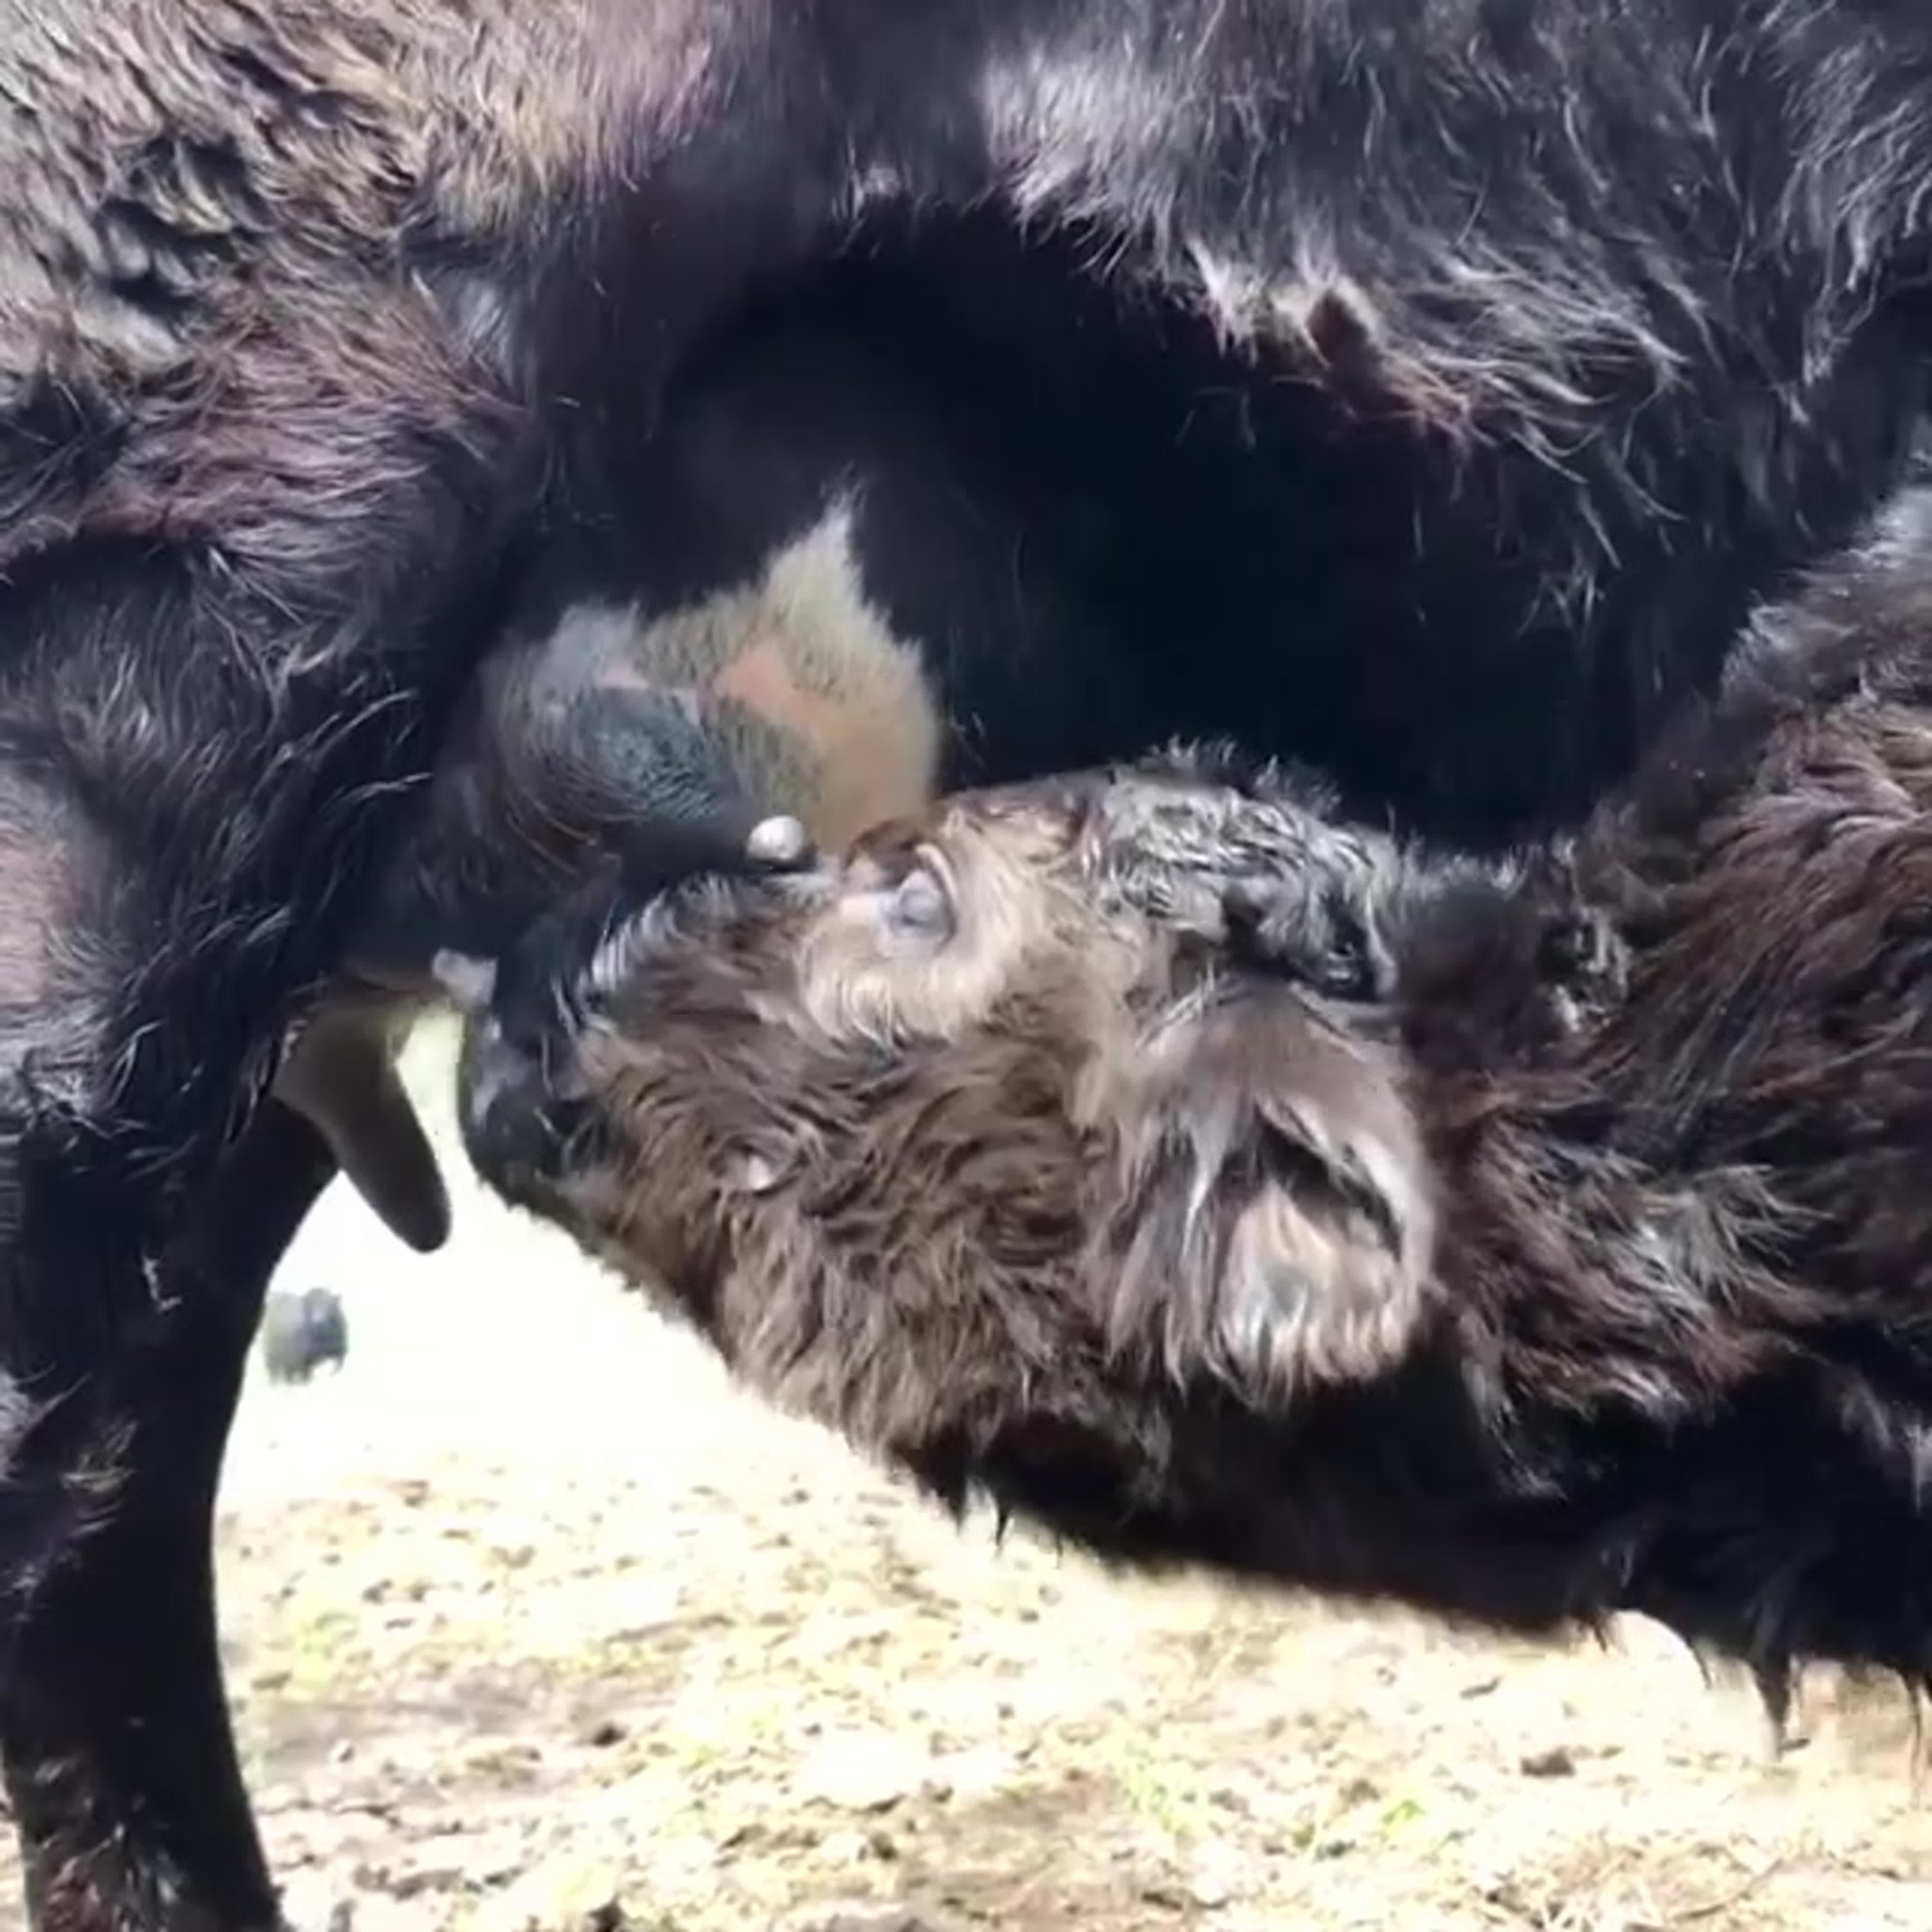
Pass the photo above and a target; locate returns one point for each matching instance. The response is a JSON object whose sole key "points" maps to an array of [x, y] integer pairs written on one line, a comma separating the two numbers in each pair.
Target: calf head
{"points": [[988, 1128]]}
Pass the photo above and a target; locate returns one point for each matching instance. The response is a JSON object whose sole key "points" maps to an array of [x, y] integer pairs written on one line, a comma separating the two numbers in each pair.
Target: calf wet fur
{"points": [[1519, 1280]]}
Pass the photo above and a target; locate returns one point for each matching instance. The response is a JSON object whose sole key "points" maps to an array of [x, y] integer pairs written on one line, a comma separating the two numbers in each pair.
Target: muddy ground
{"points": [[532, 1622]]}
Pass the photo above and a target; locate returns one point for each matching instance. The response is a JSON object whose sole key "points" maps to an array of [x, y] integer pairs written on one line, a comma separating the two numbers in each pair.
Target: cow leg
{"points": [[120, 1759]]}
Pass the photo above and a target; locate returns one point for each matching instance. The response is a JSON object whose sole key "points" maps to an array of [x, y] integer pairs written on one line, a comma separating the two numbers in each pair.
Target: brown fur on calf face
{"points": [[960, 1115]]}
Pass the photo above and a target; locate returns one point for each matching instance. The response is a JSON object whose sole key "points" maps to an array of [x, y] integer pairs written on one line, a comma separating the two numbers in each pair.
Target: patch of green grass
{"points": [[1354, 1821], [1397, 1814], [1165, 1801], [312, 1653]]}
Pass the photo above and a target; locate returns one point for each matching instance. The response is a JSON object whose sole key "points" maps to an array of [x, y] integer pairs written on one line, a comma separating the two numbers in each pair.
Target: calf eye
{"points": [[920, 904]]}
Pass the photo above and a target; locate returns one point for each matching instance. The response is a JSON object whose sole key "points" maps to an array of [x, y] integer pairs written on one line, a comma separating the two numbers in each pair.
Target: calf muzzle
{"points": [[520, 1104]]}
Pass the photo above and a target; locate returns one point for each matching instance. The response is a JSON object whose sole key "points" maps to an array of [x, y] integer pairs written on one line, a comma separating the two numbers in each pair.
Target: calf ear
{"points": [[1275, 1227]]}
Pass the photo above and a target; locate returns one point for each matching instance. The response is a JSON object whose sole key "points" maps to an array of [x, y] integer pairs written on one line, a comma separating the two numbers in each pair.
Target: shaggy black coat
{"points": [[1512, 352]]}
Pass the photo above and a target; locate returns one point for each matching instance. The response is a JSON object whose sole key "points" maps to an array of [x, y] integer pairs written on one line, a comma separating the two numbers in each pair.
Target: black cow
{"points": [[1429, 394]]}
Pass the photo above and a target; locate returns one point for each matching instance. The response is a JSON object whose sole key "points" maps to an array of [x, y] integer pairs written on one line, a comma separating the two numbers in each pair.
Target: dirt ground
{"points": [[532, 1622]]}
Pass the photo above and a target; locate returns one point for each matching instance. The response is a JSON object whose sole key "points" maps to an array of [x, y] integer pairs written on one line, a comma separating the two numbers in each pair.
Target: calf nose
{"points": [[518, 1104], [515, 1127], [519, 1043]]}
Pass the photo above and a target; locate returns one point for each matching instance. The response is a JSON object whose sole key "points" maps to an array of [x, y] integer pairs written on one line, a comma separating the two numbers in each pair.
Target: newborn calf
{"points": [[1214, 1183]]}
